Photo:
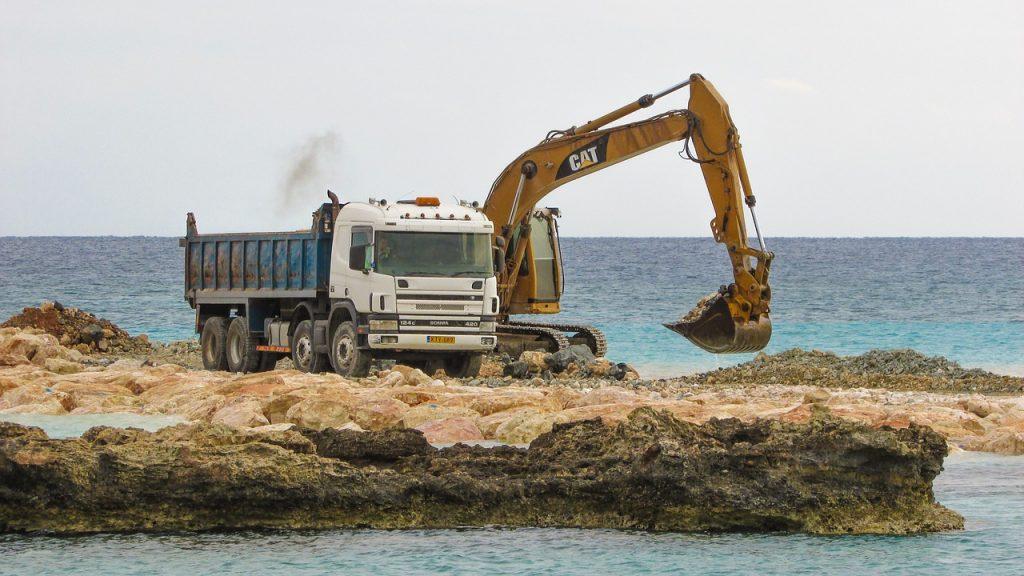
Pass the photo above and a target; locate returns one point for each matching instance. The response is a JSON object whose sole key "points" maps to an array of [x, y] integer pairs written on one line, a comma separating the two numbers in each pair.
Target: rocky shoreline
{"points": [[649, 472], [311, 428], [39, 376]]}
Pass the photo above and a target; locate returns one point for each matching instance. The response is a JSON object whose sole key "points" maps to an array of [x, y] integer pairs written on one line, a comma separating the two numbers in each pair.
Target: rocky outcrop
{"points": [[78, 329], [881, 388], [650, 472], [889, 369]]}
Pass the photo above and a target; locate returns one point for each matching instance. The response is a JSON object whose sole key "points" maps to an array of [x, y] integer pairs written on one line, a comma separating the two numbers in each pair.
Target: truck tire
{"points": [[213, 343], [303, 355], [463, 365], [241, 347], [346, 357]]}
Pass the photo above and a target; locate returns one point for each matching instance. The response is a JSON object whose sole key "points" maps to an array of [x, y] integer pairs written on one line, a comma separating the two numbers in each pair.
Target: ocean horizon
{"points": [[844, 295]]}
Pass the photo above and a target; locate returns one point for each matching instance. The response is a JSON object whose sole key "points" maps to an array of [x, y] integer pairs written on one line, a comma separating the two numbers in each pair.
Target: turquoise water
{"points": [[73, 426], [959, 297], [988, 490]]}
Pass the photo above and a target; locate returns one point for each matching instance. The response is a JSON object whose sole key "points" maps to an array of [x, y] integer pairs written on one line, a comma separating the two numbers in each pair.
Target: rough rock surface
{"points": [[79, 329], [509, 410], [891, 369], [651, 472]]}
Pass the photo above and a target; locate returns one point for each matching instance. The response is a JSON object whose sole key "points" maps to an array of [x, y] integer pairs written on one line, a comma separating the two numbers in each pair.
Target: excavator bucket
{"points": [[711, 326]]}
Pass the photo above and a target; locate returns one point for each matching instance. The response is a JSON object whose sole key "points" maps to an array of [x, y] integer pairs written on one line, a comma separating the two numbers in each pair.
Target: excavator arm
{"points": [[733, 320]]}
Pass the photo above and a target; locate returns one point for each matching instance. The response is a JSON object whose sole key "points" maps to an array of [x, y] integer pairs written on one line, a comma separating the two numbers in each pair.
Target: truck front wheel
{"points": [[463, 365], [241, 349], [346, 357], [303, 355], [213, 343]]}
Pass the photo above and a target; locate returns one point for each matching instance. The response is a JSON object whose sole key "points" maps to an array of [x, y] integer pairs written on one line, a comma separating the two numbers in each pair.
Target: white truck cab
{"points": [[419, 276]]}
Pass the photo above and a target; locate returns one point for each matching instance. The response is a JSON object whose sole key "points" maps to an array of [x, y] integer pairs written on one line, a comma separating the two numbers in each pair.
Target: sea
{"points": [[962, 298]]}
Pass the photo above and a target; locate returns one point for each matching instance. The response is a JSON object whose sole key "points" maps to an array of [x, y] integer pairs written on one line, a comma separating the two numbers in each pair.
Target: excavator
{"points": [[734, 319]]}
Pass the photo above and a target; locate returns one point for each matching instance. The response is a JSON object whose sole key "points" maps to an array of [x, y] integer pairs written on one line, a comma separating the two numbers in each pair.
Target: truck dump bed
{"points": [[223, 267]]}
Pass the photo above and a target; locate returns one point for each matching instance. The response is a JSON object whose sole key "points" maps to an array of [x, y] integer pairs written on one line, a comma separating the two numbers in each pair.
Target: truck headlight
{"points": [[487, 326], [383, 325]]}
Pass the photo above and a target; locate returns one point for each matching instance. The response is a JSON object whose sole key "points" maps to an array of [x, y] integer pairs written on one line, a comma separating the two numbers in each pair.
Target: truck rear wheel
{"points": [[241, 347], [304, 356], [463, 365], [346, 357], [213, 343]]}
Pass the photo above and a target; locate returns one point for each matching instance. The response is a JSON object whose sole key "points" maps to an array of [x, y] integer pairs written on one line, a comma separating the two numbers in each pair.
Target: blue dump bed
{"points": [[225, 267]]}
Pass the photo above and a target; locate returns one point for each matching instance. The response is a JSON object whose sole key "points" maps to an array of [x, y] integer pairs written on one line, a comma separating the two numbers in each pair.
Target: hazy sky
{"points": [[857, 118]]}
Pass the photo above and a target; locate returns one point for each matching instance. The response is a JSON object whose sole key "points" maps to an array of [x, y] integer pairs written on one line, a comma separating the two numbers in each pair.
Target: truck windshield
{"points": [[446, 254]]}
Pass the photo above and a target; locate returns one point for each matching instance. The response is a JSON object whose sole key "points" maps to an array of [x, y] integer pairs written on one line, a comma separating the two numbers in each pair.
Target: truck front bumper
{"points": [[477, 342]]}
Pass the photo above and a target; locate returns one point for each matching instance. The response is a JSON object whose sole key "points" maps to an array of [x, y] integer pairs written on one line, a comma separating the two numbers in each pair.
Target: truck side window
{"points": [[362, 236]]}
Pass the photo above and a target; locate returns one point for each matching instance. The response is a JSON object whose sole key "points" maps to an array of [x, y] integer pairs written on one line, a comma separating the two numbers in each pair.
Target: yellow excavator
{"points": [[734, 319]]}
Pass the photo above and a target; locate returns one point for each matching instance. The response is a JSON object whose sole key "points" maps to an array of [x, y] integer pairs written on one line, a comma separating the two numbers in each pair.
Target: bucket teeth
{"points": [[712, 328]]}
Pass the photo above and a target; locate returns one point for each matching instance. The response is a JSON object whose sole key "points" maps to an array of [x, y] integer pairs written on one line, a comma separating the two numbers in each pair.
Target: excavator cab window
{"points": [[543, 241]]}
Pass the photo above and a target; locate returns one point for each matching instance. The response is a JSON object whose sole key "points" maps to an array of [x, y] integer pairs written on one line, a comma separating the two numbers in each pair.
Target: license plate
{"points": [[441, 339]]}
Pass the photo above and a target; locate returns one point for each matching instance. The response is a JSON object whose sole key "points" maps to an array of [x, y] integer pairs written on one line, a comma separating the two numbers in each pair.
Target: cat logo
{"points": [[590, 154]]}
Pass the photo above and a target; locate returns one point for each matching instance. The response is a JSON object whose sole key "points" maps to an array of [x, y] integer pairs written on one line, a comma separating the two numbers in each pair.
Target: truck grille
{"points": [[469, 297], [455, 307]]}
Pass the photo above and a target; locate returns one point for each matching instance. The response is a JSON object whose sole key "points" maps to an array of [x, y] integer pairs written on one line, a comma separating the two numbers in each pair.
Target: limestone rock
{"points": [[523, 427], [816, 396], [534, 360], [61, 366], [428, 411], [412, 376], [499, 401], [319, 413], [240, 412], [723, 475], [606, 395], [450, 430], [393, 379], [378, 412]]}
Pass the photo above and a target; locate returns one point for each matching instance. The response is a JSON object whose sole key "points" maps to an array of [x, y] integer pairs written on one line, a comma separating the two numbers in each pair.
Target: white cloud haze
{"points": [[857, 118]]}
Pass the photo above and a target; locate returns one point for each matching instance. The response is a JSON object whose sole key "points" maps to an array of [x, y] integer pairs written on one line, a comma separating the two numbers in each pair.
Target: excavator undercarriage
{"points": [[734, 319], [551, 336]]}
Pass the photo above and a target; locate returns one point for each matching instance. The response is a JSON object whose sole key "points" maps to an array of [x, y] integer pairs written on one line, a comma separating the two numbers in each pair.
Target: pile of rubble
{"points": [[79, 330], [889, 369], [574, 362]]}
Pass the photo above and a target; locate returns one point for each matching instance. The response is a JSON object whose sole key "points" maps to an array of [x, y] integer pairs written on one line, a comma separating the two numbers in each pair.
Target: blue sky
{"points": [[858, 118]]}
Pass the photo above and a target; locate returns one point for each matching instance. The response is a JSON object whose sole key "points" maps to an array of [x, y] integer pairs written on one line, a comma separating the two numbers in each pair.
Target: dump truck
{"points": [[411, 281]]}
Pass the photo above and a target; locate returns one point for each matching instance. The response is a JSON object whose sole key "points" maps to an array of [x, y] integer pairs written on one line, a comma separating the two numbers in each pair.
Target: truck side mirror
{"points": [[499, 260], [359, 257]]}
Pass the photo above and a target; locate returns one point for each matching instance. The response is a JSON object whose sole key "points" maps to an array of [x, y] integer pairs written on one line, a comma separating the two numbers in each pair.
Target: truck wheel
{"points": [[241, 348], [430, 367], [213, 343], [348, 360], [303, 355], [463, 365]]}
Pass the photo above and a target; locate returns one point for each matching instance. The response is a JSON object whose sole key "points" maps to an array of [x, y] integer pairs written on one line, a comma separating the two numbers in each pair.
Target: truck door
{"points": [[357, 282]]}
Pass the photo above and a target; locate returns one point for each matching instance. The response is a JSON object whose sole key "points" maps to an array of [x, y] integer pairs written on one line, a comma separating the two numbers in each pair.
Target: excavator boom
{"points": [[735, 319]]}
